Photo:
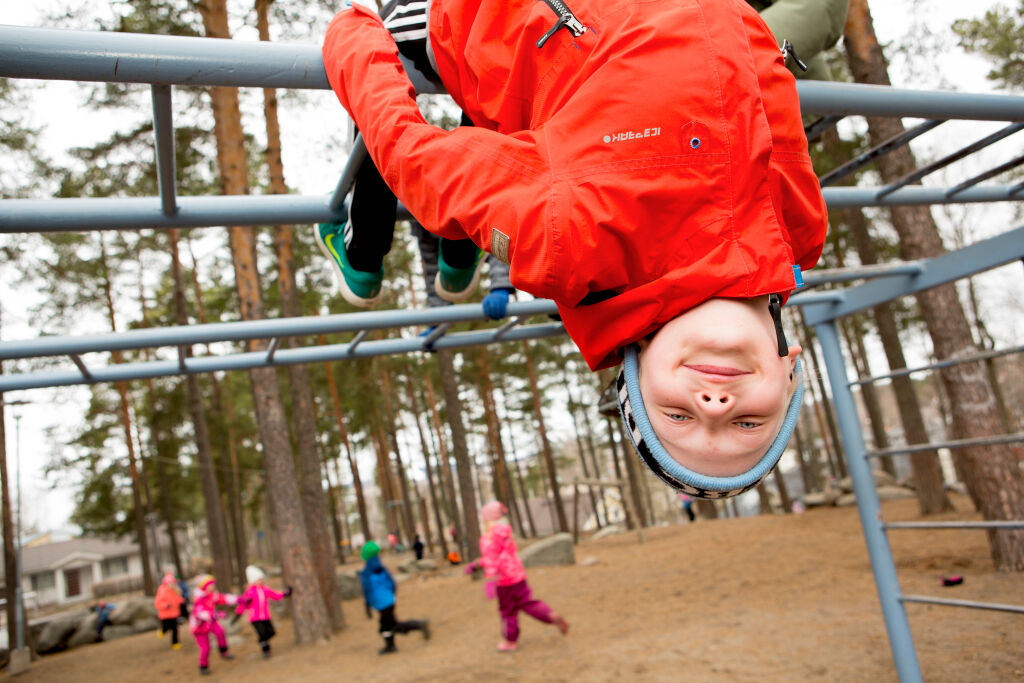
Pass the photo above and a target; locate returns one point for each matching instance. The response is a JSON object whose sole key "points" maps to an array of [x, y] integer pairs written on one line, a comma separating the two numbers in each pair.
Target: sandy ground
{"points": [[756, 599]]}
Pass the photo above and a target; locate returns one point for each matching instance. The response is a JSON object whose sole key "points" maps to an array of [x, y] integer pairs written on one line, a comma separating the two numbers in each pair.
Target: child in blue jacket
{"points": [[379, 594]]}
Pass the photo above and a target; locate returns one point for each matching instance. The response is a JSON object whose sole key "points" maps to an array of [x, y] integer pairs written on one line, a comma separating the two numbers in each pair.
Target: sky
{"points": [[313, 168]]}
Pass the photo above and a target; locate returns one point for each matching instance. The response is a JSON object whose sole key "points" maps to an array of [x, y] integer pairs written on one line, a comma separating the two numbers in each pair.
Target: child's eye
{"points": [[676, 417], [746, 425]]}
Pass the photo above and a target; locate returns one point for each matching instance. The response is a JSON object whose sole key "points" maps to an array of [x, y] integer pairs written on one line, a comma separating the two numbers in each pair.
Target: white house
{"points": [[65, 572]]}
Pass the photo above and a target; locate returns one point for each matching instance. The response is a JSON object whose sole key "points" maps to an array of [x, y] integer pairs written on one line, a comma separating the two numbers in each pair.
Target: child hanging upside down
{"points": [[507, 578], [643, 164]]}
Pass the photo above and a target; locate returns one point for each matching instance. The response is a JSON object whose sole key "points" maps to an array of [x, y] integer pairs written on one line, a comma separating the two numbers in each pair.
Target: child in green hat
{"points": [[379, 594]]}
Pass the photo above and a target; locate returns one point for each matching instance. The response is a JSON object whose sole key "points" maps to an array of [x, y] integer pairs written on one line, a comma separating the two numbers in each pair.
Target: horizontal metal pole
{"points": [[817, 97], [1014, 524], [831, 275], [953, 445], [974, 258], [257, 359], [60, 54], [260, 329], [973, 358], [132, 213], [963, 603]]}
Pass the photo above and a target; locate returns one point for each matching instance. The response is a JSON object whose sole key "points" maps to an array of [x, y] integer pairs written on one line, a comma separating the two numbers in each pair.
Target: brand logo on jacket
{"points": [[499, 246], [633, 135]]}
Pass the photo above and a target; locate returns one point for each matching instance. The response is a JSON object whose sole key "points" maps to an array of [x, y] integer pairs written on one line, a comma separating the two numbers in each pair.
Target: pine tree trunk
{"points": [[392, 431], [549, 460], [503, 482], [216, 527], [876, 420], [435, 504], [10, 557], [444, 464], [332, 388], [630, 522], [310, 617], [450, 387], [992, 473]]}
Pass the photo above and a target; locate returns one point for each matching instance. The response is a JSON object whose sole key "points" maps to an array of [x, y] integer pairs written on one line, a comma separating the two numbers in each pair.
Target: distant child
{"points": [[502, 565], [454, 558], [417, 547], [203, 621], [169, 603], [256, 600], [379, 593], [103, 611], [687, 506], [186, 596]]}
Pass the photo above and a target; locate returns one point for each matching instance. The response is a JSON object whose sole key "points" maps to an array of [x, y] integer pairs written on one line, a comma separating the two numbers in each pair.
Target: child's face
{"points": [[714, 386]]}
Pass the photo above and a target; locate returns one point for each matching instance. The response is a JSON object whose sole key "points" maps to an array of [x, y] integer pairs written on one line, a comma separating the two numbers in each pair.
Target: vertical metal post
{"points": [[19, 611], [163, 130], [886, 581]]}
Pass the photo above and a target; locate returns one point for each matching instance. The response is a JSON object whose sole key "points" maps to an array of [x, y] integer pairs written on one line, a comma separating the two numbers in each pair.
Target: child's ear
{"points": [[794, 352]]}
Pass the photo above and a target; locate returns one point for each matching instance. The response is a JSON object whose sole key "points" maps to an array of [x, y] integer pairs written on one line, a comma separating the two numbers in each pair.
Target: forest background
{"points": [[93, 140]]}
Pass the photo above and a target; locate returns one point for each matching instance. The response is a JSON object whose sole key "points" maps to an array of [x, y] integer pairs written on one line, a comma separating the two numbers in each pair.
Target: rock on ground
{"points": [[55, 634], [552, 551]]}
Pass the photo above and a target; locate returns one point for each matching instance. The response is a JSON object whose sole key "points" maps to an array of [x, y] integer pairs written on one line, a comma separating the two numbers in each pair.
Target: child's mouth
{"points": [[718, 370]]}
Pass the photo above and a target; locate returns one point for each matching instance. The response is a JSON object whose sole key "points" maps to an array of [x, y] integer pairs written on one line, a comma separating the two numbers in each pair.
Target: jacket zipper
{"points": [[565, 18]]}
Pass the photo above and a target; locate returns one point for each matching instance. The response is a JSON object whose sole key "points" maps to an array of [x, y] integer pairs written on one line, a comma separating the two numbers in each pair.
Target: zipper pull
{"points": [[565, 18], [789, 51]]}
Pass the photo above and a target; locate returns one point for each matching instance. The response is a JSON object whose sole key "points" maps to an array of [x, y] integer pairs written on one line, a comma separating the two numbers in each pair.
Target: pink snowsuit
{"points": [[203, 621], [499, 559], [256, 600]]}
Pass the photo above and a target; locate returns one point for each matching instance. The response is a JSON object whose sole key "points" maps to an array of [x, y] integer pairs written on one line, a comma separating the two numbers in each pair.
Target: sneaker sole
{"points": [[458, 297], [346, 293]]}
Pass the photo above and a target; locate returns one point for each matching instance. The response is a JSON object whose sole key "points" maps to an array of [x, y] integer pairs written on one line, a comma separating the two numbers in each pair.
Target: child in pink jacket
{"points": [[256, 600], [203, 621], [502, 565]]}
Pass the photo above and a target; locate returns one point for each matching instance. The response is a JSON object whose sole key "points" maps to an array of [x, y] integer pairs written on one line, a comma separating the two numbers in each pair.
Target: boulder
{"points": [[821, 498], [117, 631], [349, 587], [85, 632], [610, 530], [894, 493], [416, 566], [882, 478], [55, 634], [846, 500], [552, 551], [137, 608], [145, 623]]}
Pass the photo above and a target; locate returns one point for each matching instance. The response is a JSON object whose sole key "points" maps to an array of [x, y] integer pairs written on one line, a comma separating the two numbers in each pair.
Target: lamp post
{"points": [[20, 605]]}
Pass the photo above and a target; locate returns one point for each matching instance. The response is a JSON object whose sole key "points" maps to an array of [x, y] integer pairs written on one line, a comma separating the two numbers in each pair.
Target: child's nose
{"points": [[714, 402]]}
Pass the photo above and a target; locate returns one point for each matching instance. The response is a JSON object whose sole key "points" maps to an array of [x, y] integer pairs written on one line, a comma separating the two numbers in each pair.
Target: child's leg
{"points": [[203, 641], [539, 610], [508, 609], [264, 632], [372, 215], [222, 639], [173, 628], [387, 629]]}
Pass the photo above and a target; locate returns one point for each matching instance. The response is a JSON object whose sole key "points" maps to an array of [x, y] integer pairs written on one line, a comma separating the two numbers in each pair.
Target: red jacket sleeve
{"points": [[458, 184]]}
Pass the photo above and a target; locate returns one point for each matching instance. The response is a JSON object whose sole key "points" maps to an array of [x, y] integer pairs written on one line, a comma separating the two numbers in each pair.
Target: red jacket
{"points": [[660, 155]]}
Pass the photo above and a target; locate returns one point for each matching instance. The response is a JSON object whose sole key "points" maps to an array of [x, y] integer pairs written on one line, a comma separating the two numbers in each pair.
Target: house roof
{"points": [[54, 555]]}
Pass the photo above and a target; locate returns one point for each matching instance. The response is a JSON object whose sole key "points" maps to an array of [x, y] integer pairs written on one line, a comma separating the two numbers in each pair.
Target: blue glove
{"points": [[496, 303]]}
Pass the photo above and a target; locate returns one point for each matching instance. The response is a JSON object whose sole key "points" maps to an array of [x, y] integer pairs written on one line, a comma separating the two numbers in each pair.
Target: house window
{"points": [[73, 582], [114, 567], [42, 582]]}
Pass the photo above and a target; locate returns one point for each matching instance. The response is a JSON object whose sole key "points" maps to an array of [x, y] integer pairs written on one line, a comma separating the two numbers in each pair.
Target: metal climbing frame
{"points": [[164, 62]]}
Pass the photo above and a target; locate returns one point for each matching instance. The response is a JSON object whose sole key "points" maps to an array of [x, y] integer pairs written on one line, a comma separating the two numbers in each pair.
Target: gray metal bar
{"points": [[950, 158], [952, 445], [128, 213], [501, 331], [274, 343], [1018, 524], [978, 257], [820, 298], [260, 329], [435, 334], [816, 129], [257, 359], [882, 149], [886, 582], [81, 366], [974, 357], [356, 342], [163, 131], [181, 359], [831, 275], [818, 97], [963, 603], [348, 174], [1001, 168]]}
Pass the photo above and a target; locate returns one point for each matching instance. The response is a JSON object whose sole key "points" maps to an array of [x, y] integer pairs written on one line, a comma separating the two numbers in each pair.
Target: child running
{"points": [[379, 593], [256, 600], [204, 621], [643, 164], [168, 603], [502, 565]]}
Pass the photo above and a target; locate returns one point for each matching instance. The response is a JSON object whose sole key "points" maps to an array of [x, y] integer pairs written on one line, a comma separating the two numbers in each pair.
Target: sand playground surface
{"points": [[768, 598]]}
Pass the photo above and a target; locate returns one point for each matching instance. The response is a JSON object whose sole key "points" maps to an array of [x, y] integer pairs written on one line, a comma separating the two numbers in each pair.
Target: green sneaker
{"points": [[358, 287], [458, 284]]}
